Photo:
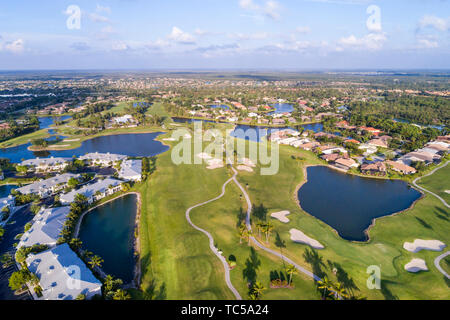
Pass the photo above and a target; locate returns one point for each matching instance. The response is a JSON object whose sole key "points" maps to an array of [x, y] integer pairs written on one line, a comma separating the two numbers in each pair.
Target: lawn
{"points": [[178, 264], [438, 183], [40, 134]]}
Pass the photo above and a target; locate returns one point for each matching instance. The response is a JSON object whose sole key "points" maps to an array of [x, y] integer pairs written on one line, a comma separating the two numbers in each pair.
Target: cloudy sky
{"points": [[228, 34]]}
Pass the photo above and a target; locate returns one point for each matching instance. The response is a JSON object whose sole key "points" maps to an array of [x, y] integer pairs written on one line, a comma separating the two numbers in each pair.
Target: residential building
{"points": [[47, 225], [47, 164], [377, 168], [103, 159], [401, 167], [131, 170], [62, 275], [47, 187], [345, 164], [93, 192]]}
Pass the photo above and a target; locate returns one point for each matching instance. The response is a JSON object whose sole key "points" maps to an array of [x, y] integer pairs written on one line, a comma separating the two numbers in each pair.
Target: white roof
{"points": [[131, 169], [47, 161], [46, 184], [46, 228], [108, 157], [62, 275], [90, 189]]}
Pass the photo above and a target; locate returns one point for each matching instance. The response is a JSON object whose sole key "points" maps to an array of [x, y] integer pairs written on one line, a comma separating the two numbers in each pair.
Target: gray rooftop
{"points": [[46, 184], [90, 189]]}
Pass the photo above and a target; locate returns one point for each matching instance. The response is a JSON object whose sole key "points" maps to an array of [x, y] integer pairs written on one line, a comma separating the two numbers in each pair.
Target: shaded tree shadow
{"points": [[442, 211], [315, 260], [277, 275], [423, 223], [343, 278], [388, 295], [251, 267], [447, 281]]}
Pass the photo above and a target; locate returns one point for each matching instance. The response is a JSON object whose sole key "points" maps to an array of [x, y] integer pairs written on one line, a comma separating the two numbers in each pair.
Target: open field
{"points": [[25, 138]]}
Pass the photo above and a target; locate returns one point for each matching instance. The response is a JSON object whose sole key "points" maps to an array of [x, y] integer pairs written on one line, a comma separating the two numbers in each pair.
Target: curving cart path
{"points": [[211, 239], [423, 189], [437, 262], [260, 245]]}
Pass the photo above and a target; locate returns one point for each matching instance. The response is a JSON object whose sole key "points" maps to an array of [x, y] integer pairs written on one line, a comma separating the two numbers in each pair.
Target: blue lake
{"points": [[349, 203], [108, 231], [219, 106], [46, 122], [5, 189], [282, 108], [133, 145]]}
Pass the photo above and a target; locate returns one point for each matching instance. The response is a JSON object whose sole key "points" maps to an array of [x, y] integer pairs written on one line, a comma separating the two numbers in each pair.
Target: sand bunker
{"points": [[169, 139], [244, 168], [281, 216], [300, 237], [247, 162], [204, 156], [447, 191], [214, 164], [419, 244], [416, 265]]}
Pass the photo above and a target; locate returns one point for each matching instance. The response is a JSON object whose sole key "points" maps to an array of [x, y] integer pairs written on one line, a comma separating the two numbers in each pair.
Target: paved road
{"points": [[434, 194], [211, 239], [260, 245], [437, 262]]}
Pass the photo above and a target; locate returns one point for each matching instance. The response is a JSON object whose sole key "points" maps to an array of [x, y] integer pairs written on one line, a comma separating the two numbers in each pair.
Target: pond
{"points": [[133, 145], [349, 203], [108, 231], [282, 108], [5, 189], [46, 122], [219, 106]]}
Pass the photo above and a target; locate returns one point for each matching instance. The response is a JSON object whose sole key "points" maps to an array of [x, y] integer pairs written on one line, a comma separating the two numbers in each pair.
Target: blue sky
{"points": [[229, 34]]}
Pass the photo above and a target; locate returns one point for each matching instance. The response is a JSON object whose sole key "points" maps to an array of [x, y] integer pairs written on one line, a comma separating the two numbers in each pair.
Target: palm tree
{"points": [[291, 270], [96, 261], [268, 228], [325, 285], [242, 233], [261, 227], [257, 290], [121, 295], [249, 234], [76, 244], [339, 291]]}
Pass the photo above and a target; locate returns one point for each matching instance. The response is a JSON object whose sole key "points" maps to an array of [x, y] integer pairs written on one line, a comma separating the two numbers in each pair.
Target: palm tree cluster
{"points": [[266, 228], [335, 290], [76, 209], [256, 291]]}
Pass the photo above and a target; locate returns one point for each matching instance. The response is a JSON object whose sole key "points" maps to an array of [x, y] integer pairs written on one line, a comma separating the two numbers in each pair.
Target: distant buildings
{"points": [[62, 275], [93, 192], [46, 187]]}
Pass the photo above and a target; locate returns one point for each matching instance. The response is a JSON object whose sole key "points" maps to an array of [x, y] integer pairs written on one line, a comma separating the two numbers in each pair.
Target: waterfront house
{"points": [[345, 163], [47, 164], [419, 156], [62, 275], [49, 186], [47, 225], [6, 205], [332, 149], [400, 167], [310, 146], [123, 119], [93, 192], [103, 159], [131, 170], [378, 143], [377, 168]]}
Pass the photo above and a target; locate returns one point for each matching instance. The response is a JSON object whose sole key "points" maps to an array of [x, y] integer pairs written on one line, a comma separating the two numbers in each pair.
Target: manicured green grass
{"points": [[429, 219], [158, 109], [25, 138], [438, 183]]}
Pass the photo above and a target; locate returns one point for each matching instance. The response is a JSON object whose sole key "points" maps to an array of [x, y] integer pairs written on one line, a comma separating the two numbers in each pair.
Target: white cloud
{"points": [[427, 43], [434, 22], [95, 17], [373, 41], [180, 36], [249, 36], [105, 9], [16, 46], [303, 30], [270, 8], [120, 46]]}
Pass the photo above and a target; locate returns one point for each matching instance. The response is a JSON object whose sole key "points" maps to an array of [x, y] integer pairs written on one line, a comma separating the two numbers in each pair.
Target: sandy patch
{"points": [[281, 216], [247, 162], [419, 244], [416, 265], [169, 139], [214, 164], [300, 237], [70, 140], [204, 156], [447, 191], [244, 168]]}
